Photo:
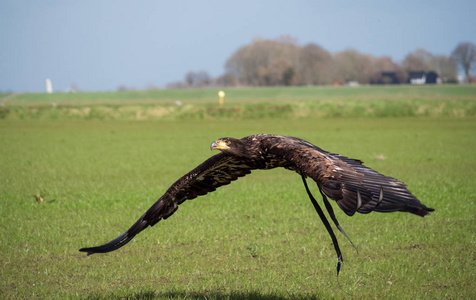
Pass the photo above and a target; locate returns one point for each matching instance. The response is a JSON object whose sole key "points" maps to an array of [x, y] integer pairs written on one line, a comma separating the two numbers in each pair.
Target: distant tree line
{"points": [[282, 62]]}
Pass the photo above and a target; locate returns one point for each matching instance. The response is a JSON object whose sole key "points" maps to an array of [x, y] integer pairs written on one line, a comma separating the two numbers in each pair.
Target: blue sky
{"points": [[100, 45]]}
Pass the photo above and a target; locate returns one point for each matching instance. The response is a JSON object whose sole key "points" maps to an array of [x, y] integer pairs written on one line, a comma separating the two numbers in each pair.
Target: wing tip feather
{"points": [[423, 211], [111, 246]]}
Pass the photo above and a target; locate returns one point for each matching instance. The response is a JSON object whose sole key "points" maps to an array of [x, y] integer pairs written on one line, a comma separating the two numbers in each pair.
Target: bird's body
{"points": [[353, 186]]}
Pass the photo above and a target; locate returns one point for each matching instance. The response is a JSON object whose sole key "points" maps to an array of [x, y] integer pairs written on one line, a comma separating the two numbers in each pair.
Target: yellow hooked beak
{"points": [[220, 145]]}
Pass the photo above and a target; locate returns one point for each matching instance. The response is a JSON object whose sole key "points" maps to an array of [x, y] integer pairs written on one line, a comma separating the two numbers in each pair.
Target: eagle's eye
{"points": [[227, 142]]}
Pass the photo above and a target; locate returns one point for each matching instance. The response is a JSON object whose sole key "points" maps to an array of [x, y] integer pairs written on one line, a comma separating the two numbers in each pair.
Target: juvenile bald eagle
{"points": [[347, 181]]}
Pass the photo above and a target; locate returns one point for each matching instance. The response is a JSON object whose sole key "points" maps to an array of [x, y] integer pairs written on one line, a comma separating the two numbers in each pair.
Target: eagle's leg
{"points": [[326, 224], [330, 210]]}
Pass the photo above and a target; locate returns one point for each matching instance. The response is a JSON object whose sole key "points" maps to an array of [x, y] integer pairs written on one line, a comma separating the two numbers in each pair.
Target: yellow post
{"points": [[221, 94]]}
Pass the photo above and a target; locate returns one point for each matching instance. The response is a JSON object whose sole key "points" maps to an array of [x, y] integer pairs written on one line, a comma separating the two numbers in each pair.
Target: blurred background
{"points": [[125, 45]]}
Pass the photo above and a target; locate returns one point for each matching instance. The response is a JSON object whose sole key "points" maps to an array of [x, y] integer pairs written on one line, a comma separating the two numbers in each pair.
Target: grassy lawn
{"points": [[251, 95], [257, 238], [251, 104]]}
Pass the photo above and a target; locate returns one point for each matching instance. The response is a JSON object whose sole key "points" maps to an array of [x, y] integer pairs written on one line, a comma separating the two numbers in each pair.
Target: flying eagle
{"points": [[355, 187]]}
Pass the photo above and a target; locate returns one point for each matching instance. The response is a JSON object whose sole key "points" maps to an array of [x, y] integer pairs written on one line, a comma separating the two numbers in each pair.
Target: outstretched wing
{"points": [[364, 190], [216, 171], [355, 187]]}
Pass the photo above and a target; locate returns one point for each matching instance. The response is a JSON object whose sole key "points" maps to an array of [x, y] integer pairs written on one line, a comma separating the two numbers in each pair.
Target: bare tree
{"points": [[265, 62], [419, 60], [465, 55], [198, 79], [189, 77], [227, 79], [351, 65], [315, 65], [446, 68], [281, 72]]}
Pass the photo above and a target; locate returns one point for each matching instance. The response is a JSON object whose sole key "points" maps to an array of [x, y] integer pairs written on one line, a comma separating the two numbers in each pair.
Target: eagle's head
{"points": [[230, 146]]}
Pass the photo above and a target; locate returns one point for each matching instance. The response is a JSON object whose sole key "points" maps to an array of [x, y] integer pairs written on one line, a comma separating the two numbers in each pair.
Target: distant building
{"points": [[353, 83], [49, 86], [386, 78], [423, 77]]}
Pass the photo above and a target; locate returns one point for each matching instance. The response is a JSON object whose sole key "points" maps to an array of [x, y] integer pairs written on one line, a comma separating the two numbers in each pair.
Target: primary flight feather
{"points": [[355, 187]]}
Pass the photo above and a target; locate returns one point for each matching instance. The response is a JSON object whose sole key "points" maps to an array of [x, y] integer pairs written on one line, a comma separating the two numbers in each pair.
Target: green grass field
{"points": [[258, 238], [252, 104]]}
